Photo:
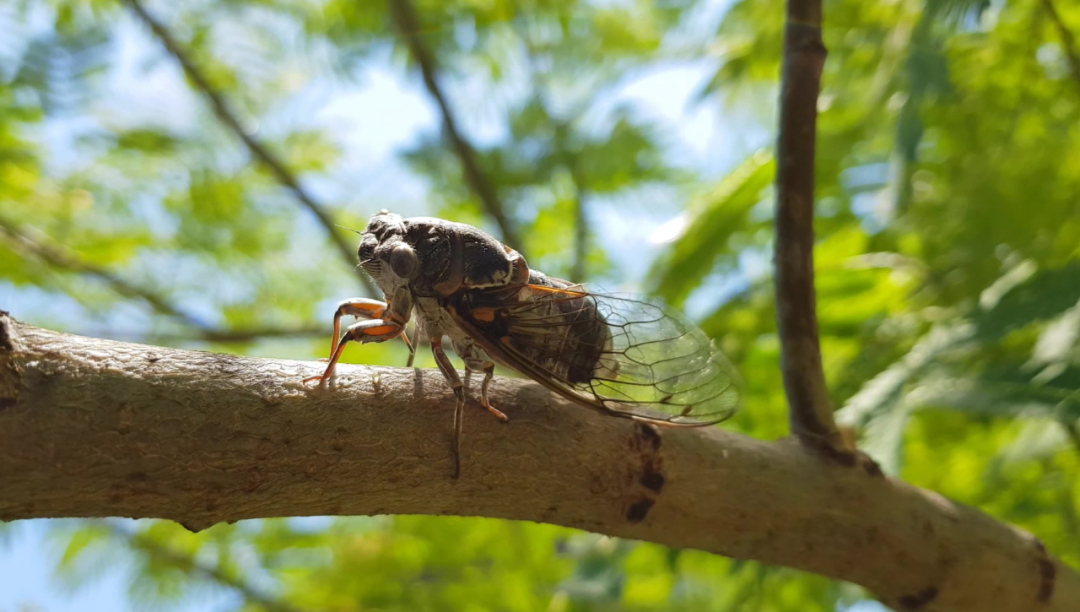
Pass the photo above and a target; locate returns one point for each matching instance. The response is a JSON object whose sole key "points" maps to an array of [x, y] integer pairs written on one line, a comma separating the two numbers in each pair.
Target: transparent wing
{"points": [[626, 355]]}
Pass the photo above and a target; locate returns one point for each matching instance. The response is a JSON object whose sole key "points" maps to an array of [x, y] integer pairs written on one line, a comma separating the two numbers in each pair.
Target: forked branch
{"points": [[19, 241]]}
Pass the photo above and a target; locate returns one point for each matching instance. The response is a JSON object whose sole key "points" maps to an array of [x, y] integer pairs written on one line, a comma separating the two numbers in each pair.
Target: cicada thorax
{"points": [[459, 257], [554, 324]]}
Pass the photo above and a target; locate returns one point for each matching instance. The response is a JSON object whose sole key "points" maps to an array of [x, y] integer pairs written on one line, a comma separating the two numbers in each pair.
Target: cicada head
{"points": [[386, 254]]}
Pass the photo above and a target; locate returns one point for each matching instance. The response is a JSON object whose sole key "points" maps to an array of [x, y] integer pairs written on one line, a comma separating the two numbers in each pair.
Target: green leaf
{"points": [[707, 227], [1043, 295]]}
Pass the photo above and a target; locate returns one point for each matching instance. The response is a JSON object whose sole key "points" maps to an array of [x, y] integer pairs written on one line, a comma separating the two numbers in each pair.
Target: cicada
{"points": [[623, 356]]}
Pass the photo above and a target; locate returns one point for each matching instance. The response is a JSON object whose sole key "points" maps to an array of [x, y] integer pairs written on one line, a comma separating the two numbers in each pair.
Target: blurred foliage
{"points": [[948, 254]]}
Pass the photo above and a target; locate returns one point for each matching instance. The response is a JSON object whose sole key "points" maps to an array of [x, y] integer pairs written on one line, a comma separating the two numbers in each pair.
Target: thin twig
{"points": [[11, 234], [408, 26], [809, 410], [258, 150], [192, 566], [1067, 40], [581, 219], [1072, 433], [581, 235]]}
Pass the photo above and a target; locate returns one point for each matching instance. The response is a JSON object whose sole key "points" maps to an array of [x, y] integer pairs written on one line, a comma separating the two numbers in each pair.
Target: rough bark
{"points": [[93, 428]]}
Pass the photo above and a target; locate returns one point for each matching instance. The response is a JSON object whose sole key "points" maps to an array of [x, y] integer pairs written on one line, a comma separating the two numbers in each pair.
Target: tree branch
{"points": [[99, 428], [408, 25], [1067, 40], [809, 410], [258, 150], [59, 258], [141, 543]]}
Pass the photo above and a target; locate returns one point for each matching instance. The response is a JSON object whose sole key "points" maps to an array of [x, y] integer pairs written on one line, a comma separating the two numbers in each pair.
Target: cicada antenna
{"points": [[350, 229]]}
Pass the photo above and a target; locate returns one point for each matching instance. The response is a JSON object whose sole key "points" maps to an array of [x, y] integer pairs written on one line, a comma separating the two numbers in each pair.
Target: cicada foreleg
{"points": [[375, 330], [364, 308]]}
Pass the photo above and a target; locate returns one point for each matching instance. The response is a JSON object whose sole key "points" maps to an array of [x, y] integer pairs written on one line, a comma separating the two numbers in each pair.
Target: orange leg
{"points": [[489, 373], [363, 308], [375, 330]]}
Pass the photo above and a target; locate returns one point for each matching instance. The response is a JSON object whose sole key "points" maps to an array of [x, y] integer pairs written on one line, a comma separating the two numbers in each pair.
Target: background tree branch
{"points": [[20, 242], [100, 428], [809, 409], [1068, 42], [160, 552], [258, 150], [408, 26]]}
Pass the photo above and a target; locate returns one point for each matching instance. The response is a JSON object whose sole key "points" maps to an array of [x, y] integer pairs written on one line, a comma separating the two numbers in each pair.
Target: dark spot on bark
{"points": [[7, 402], [6, 344], [1047, 573], [649, 435], [639, 510], [822, 447], [873, 534], [652, 479], [914, 602], [870, 466], [845, 459], [137, 477], [337, 445]]}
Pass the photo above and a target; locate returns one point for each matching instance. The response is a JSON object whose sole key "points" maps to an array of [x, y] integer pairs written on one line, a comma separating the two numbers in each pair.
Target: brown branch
{"points": [[189, 564], [810, 413], [408, 25], [92, 428], [1067, 40], [11, 234], [258, 150]]}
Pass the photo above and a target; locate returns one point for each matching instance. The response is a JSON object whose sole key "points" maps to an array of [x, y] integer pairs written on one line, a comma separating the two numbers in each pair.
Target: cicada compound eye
{"points": [[403, 260]]}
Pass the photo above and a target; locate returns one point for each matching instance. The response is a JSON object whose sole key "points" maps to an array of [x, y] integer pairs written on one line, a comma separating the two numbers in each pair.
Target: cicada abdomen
{"points": [[560, 329]]}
